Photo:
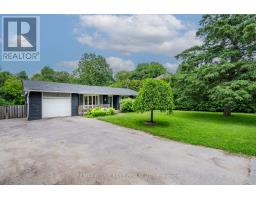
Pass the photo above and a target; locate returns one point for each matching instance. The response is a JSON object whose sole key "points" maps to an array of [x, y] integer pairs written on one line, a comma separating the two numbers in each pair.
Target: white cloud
{"points": [[118, 64], [68, 63], [158, 34], [171, 67]]}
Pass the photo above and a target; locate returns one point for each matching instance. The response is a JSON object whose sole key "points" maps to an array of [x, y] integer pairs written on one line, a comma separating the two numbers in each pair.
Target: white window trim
{"points": [[112, 100], [92, 95]]}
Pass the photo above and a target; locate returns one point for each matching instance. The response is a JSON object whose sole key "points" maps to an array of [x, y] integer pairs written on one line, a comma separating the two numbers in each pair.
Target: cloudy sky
{"points": [[124, 40]]}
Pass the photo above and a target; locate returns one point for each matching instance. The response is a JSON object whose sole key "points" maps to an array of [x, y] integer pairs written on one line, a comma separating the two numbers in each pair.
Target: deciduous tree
{"points": [[94, 70], [49, 74], [221, 71], [154, 95], [148, 70]]}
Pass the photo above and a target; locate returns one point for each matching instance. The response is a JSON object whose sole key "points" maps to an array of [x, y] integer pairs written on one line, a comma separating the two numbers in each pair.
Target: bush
{"points": [[126, 105], [96, 112], [110, 111]]}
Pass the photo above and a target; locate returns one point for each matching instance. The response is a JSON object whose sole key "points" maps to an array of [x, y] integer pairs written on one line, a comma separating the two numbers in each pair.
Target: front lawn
{"points": [[234, 134]]}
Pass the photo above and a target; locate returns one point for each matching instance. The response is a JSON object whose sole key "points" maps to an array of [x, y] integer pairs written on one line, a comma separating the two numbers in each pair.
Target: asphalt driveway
{"points": [[75, 150]]}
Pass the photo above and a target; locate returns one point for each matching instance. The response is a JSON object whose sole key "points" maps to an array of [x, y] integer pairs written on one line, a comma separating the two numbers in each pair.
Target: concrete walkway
{"points": [[87, 151]]}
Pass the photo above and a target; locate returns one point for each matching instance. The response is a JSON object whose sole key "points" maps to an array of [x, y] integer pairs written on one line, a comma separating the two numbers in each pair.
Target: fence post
{"points": [[6, 116]]}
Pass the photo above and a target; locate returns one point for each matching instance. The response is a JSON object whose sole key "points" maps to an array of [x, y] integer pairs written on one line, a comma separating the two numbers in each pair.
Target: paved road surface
{"points": [[75, 150]]}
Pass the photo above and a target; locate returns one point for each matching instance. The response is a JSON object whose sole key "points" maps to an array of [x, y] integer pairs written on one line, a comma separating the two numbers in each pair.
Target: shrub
{"points": [[126, 105], [110, 111], [96, 112]]}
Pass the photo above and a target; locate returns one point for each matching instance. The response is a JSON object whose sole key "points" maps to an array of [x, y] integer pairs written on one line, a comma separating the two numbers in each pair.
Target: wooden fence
{"points": [[14, 111]]}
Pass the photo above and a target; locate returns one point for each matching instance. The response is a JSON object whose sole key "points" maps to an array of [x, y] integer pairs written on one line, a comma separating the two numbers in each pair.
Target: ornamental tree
{"points": [[154, 95]]}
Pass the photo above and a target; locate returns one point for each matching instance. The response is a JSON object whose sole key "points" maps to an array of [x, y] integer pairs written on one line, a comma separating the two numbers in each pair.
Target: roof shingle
{"points": [[43, 86]]}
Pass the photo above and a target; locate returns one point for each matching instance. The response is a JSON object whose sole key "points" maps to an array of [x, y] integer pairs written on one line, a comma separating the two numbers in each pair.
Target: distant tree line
{"points": [[92, 69]]}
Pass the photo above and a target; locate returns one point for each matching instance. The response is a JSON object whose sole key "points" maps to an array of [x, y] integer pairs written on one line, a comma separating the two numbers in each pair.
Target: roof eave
{"points": [[88, 93]]}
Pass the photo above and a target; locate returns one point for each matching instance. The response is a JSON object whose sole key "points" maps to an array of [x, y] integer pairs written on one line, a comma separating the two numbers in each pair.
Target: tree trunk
{"points": [[227, 111], [151, 119]]}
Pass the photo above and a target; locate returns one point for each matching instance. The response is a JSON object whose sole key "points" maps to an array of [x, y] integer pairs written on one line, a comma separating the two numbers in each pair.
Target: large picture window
{"points": [[91, 100]]}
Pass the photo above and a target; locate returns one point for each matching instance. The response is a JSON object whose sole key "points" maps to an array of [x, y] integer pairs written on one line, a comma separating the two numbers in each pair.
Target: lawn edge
{"points": [[183, 142]]}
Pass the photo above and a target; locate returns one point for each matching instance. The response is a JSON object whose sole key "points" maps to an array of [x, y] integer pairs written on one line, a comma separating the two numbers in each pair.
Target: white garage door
{"points": [[56, 105]]}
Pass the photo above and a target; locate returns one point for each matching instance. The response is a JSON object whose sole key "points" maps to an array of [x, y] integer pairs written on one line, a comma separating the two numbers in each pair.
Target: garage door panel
{"points": [[53, 106]]}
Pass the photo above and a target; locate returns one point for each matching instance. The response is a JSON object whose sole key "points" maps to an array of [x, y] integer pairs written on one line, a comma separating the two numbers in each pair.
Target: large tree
{"points": [[121, 79], [11, 92], [4, 75], [49, 74], [122, 75], [148, 70], [226, 38], [11, 88], [94, 70], [221, 71], [154, 95], [22, 75]]}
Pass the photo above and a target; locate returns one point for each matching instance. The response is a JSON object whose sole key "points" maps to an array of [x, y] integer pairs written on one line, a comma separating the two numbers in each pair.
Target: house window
{"points": [[86, 100], [105, 99], [94, 100], [91, 100]]}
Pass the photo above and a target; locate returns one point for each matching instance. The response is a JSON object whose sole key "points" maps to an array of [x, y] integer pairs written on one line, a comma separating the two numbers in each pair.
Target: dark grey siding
{"points": [[116, 102], [74, 104], [35, 105], [80, 99]]}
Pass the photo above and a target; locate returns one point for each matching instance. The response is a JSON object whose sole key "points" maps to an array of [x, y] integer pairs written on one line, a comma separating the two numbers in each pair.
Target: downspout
{"points": [[28, 105]]}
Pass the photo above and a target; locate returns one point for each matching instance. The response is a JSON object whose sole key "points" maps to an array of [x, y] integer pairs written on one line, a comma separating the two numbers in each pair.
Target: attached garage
{"points": [[56, 104]]}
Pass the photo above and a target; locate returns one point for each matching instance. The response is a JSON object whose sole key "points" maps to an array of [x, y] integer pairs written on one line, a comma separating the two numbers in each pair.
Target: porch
{"points": [[88, 101]]}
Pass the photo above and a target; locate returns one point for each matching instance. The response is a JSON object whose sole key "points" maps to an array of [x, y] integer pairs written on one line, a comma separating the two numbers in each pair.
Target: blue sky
{"points": [[124, 40]]}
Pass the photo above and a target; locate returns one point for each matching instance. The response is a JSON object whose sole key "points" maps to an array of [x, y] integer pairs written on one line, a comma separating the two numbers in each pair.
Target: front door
{"points": [[116, 102]]}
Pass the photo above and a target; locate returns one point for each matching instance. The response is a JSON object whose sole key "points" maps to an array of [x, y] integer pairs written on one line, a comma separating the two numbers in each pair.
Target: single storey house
{"points": [[50, 99]]}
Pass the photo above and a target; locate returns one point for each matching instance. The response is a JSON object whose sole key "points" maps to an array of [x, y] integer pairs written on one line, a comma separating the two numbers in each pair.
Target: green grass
{"points": [[235, 134]]}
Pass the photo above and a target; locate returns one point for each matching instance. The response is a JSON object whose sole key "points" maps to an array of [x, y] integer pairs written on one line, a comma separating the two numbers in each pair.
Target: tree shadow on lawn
{"points": [[158, 123], [237, 118]]}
